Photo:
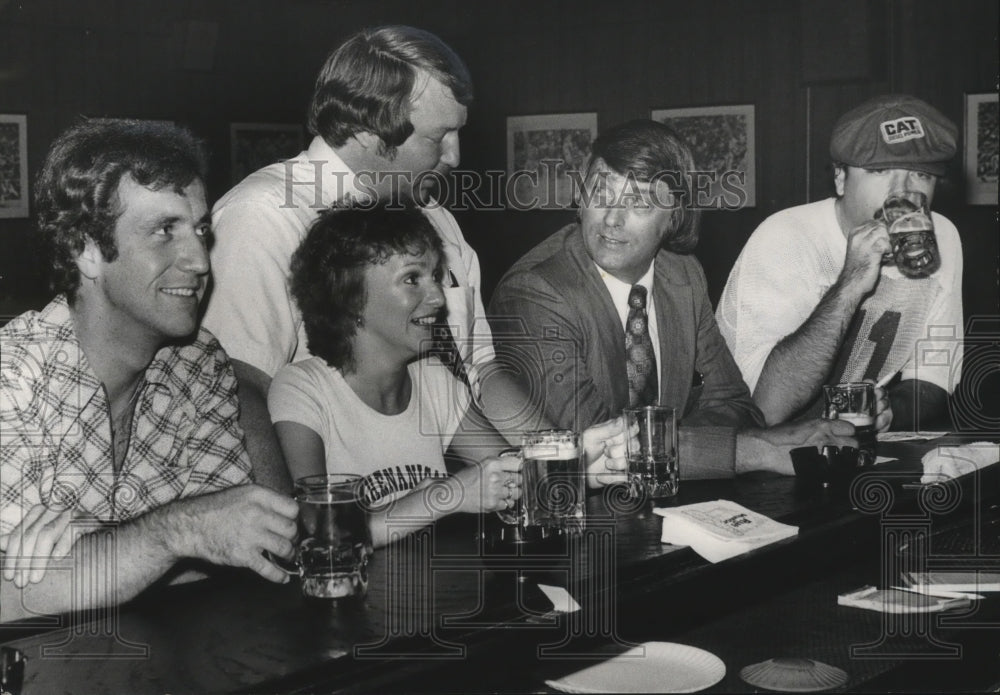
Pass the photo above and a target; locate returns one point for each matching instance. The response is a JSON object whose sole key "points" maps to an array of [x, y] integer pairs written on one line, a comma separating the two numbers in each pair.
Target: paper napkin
{"points": [[953, 461], [562, 600], [721, 529]]}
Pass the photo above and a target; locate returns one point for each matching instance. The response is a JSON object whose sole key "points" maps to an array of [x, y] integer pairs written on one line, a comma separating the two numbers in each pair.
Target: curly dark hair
{"points": [[366, 83], [650, 152], [76, 193], [328, 269]]}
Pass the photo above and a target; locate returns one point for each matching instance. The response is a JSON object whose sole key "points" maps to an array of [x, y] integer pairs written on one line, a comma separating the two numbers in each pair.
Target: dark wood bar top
{"points": [[446, 612]]}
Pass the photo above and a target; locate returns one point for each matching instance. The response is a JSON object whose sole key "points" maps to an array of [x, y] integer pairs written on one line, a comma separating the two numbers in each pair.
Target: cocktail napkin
{"points": [[970, 580], [898, 601], [908, 436], [953, 461], [562, 600], [721, 529]]}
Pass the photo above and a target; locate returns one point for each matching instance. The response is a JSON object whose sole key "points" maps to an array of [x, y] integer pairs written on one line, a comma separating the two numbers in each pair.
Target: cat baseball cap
{"points": [[894, 131]]}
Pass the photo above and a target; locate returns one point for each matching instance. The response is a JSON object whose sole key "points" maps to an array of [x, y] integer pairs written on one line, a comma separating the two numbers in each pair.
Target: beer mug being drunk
{"points": [[911, 234]]}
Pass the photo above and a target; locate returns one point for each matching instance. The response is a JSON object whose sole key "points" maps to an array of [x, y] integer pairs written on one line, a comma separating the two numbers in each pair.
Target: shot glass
{"points": [[336, 542], [553, 482], [855, 403], [653, 470], [911, 233]]}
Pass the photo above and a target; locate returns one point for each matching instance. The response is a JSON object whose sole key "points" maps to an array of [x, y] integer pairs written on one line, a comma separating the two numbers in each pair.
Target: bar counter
{"points": [[447, 612]]}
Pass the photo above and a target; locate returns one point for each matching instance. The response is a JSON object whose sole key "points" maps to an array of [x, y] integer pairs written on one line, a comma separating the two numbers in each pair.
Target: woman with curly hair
{"points": [[368, 285]]}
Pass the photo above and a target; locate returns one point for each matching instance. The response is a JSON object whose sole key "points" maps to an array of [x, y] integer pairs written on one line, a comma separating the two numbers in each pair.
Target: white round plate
{"points": [[651, 667]]}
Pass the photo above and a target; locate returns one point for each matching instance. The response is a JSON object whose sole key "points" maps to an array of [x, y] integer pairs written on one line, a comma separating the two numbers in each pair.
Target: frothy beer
{"points": [[855, 403], [864, 431], [911, 234], [554, 488]]}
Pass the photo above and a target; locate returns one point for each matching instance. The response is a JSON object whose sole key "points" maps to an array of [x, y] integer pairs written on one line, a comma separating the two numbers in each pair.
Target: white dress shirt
{"points": [[619, 296]]}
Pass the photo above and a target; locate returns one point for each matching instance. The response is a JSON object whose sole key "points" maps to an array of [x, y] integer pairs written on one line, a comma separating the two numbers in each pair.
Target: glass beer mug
{"points": [[911, 233], [336, 542], [554, 487]]}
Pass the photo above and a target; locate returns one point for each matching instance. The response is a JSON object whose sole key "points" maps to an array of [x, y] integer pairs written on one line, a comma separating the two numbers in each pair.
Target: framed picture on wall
{"points": [[13, 165], [543, 151], [981, 148], [722, 142], [255, 145]]}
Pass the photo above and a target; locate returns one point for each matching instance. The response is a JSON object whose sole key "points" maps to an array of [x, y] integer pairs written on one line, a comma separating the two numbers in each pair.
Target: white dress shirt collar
{"points": [[619, 297]]}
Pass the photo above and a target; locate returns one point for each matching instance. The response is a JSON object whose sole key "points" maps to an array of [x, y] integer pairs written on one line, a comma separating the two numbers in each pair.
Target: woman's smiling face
{"points": [[403, 298]]}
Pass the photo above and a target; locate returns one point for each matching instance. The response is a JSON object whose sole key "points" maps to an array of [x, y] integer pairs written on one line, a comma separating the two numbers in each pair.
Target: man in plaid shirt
{"points": [[121, 447]]}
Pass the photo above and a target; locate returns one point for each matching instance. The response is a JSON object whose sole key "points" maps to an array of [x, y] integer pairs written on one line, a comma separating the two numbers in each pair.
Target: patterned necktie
{"points": [[640, 360]]}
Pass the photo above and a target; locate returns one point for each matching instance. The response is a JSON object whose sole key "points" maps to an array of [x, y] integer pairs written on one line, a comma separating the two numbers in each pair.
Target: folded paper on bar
{"points": [[896, 601], [909, 436], [947, 462], [562, 600], [969, 580], [720, 529]]}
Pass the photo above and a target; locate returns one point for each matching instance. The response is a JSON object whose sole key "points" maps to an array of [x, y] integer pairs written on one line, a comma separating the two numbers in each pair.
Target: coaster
{"points": [[793, 675]]}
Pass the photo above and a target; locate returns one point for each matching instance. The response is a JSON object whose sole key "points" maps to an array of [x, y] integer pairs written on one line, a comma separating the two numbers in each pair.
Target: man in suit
{"points": [[610, 312]]}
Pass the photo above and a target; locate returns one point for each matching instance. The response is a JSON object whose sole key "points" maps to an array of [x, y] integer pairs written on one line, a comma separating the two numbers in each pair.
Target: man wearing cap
{"points": [[810, 300]]}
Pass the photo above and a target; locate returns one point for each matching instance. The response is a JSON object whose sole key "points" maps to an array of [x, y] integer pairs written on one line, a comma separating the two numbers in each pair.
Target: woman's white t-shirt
{"points": [[392, 452]]}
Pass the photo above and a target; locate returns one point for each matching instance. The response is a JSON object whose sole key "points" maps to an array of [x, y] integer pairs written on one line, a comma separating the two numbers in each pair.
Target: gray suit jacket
{"points": [[555, 326]]}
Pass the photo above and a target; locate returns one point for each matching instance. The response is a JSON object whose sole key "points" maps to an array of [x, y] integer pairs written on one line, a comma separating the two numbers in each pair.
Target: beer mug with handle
{"points": [[911, 233], [335, 540]]}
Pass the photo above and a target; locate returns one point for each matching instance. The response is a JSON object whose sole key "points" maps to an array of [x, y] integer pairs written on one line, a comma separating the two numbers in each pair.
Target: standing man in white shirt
{"points": [[386, 112]]}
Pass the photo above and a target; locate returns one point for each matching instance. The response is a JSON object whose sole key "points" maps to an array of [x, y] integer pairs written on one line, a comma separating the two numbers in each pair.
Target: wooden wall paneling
{"points": [[981, 63], [70, 73], [16, 62], [668, 74], [566, 59], [632, 73], [703, 45], [781, 140], [840, 41], [105, 50], [143, 15]]}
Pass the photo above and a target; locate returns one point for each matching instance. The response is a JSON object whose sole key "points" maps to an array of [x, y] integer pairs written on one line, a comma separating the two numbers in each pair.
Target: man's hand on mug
{"points": [[883, 409], [604, 449], [235, 527], [768, 449], [866, 245]]}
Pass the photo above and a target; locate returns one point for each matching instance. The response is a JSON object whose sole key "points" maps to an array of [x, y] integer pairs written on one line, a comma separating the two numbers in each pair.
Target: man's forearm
{"points": [[706, 451], [800, 363], [107, 565]]}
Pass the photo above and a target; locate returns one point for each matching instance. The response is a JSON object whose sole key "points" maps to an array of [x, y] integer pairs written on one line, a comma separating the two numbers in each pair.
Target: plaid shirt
{"points": [[55, 425]]}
